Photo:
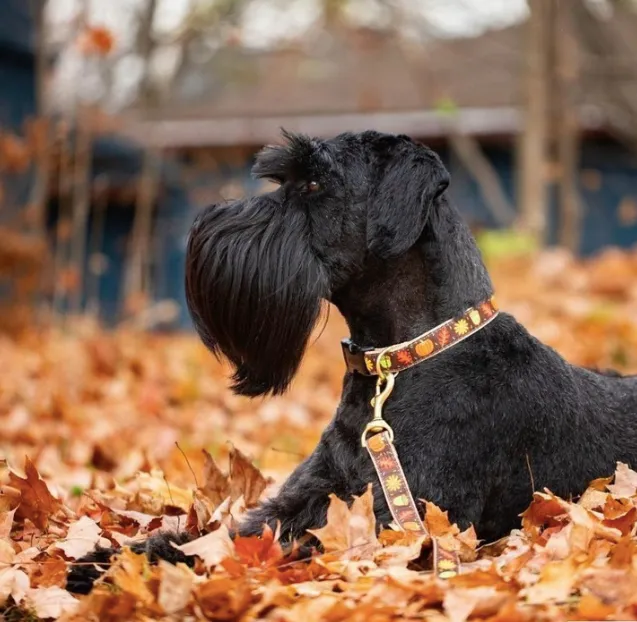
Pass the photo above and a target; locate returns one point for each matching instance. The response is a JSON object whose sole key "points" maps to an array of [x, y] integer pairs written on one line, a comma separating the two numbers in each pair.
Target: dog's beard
{"points": [[254, 290]]}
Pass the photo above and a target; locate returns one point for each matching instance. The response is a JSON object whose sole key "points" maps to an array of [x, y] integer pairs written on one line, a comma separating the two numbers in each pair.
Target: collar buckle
{"points": [[354, 356]]}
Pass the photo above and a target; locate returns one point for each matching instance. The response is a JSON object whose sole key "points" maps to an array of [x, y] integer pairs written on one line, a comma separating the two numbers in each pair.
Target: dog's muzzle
{"points": [[254, 289]]}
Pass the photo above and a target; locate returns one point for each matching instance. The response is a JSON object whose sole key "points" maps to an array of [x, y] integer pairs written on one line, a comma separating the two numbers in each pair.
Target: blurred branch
{"points": [[470, 154]]}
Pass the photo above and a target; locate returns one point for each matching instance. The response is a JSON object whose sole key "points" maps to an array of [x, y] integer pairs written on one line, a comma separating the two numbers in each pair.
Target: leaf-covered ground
{"points": [[129, 433]]}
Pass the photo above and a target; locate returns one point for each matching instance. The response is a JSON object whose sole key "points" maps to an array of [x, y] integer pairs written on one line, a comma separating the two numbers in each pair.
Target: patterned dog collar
{"points": [[409, 353]]}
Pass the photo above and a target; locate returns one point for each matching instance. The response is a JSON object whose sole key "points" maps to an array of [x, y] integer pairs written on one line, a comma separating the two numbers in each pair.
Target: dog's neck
{"points": [[436, 280]]}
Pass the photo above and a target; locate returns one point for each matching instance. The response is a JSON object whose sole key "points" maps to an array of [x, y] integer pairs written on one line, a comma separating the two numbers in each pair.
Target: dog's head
{"points": [[258, 269]]}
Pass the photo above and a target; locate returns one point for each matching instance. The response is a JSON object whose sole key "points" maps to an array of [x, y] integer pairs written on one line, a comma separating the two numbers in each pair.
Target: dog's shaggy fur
{"points": [[363, 220]]}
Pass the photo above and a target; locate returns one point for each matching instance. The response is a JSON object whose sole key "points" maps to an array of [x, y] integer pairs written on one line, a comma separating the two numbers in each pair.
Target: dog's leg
{"points": [[300, 505]]}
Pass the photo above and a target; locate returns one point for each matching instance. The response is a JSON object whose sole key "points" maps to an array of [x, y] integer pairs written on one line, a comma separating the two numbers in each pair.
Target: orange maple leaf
{"points": [[255, 551], [36, 501]]}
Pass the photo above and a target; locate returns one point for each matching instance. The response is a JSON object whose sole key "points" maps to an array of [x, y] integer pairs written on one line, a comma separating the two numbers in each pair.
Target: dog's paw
{"points": [[90, 568]]}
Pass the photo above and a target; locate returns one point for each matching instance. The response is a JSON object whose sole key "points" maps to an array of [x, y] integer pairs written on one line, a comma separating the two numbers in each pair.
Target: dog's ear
{"points": [[402, 198]]}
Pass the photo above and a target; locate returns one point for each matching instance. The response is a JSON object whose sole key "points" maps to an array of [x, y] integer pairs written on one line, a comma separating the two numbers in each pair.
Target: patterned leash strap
{"points": [[401, 503], [378, 439]]}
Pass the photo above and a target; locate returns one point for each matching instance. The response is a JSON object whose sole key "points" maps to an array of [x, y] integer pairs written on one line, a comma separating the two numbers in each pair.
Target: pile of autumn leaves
{"points": [[570, 560], [126, 435]]}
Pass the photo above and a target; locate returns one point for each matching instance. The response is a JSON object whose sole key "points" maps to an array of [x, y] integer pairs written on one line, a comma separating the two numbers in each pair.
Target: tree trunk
{"points": [[82, 182], [137, 279], [533, 148], [40, 189], [567, 127]]}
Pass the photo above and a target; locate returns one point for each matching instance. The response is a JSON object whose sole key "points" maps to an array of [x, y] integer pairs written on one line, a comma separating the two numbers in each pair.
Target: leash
{"points": [[378, 436]]}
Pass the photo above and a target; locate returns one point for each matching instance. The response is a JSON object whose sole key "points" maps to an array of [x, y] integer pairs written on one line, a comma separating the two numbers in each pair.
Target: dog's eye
{"points": [[313, 186]]}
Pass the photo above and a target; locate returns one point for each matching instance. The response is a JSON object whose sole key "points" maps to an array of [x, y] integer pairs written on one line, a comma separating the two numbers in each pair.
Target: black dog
{"points": [[362, 220]]}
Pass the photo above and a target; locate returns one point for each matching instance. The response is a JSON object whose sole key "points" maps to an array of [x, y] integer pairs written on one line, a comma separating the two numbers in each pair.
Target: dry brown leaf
{"points": [[399, 548], [468, 544], [437, 521], [51, 573], [216, 486], [350, 532], [590, 607], [245, 479], [36, 502], [223, 598]]}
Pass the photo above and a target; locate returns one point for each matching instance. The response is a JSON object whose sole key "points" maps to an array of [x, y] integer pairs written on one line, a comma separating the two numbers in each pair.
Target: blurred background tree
{"points": [[122, 119]]}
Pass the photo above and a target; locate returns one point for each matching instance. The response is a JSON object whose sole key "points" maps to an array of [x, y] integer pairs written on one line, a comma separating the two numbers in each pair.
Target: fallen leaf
{"points": [[223, 599], [175, 588], [545, 510], [51, 602], [212, 548], [6, 523], [625, 482], [255, 551], [555, 583], [245, 479], [216, 486], [14, 583], [36, 503], [437, 521], [52, 572], [82, 538], [460, 604], [350, 532], [128, 574]]}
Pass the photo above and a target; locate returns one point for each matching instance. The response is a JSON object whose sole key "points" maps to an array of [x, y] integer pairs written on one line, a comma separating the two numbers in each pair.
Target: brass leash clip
{"points": [[384, 387]]}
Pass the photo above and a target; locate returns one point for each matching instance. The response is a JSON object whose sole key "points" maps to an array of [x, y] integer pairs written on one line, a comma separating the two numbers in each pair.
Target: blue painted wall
{"points": [[608, 178]]}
